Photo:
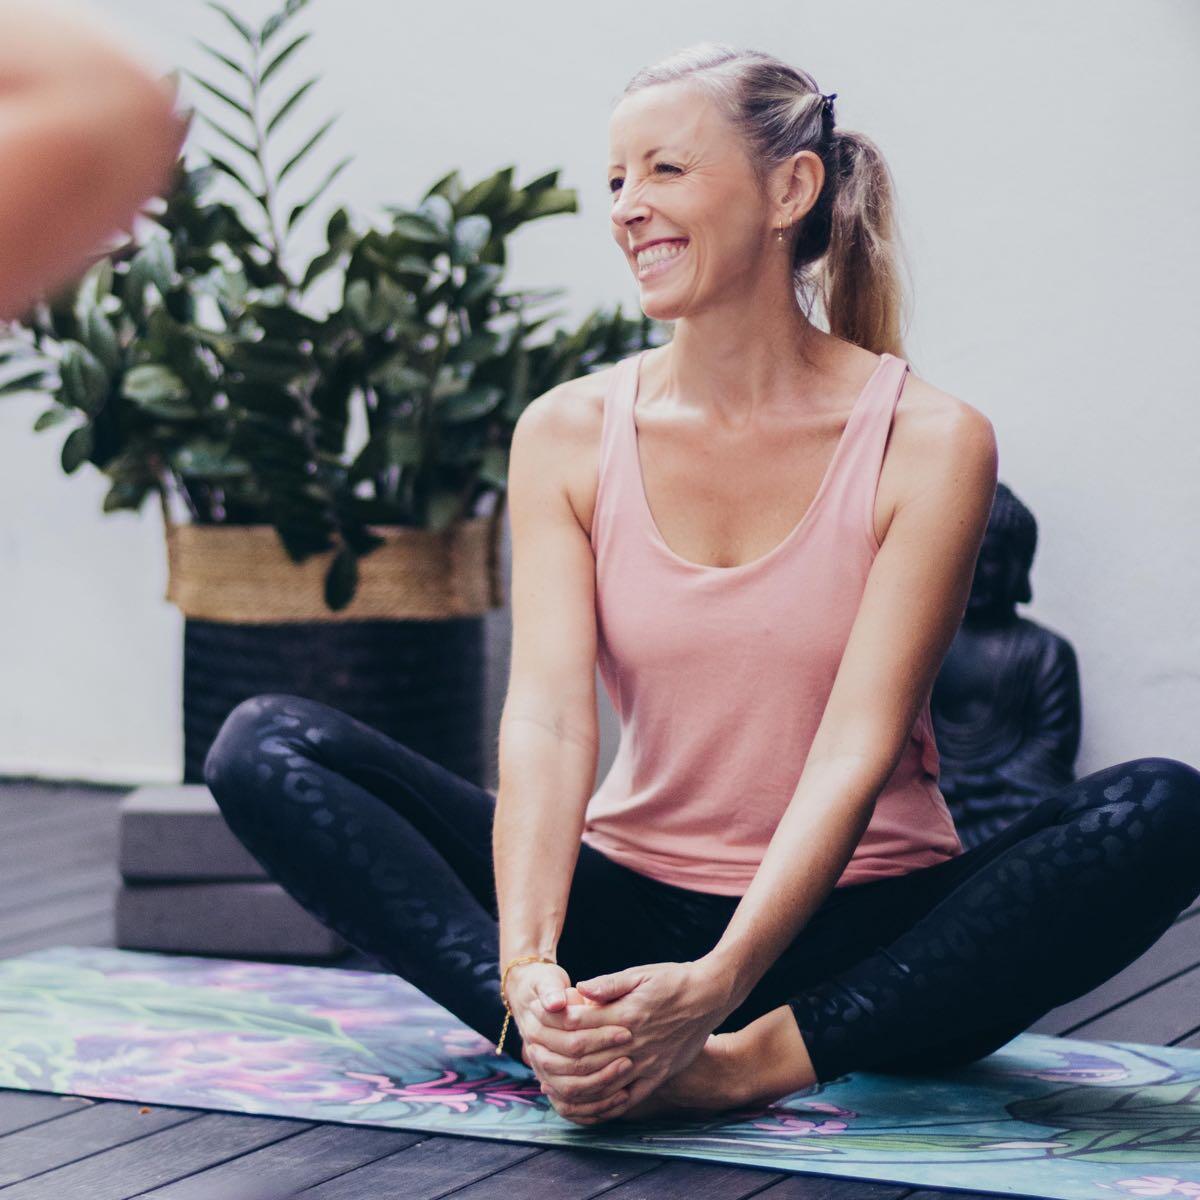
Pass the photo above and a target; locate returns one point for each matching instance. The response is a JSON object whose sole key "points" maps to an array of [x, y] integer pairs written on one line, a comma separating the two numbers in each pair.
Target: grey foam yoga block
{"points": [[177, 832], [242, 919]]}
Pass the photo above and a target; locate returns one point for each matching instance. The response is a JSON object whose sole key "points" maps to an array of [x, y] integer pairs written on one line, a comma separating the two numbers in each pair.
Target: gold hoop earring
{"points": [[781, 229]]}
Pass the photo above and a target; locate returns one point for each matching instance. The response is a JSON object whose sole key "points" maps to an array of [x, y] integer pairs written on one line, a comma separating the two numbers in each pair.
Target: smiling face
{"points": [[681, 183]]}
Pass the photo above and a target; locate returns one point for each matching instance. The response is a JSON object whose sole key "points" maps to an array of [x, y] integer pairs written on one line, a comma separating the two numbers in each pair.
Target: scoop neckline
{"points": [[796, 530]]}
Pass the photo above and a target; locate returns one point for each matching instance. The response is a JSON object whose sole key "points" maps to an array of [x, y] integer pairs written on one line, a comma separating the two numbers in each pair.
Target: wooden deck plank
{"points": [[22, 822], [60, 853], [61, 910], [51, 1145], [429, 1168], [64, 864], [568, 1174], [96, 929], [1162, 1016], [40, 791], [19, 1110], [926, 1194], [688, 1179], [14, 897], [59, 850], [290, 1165], [826, 1187], [147, 1158]]}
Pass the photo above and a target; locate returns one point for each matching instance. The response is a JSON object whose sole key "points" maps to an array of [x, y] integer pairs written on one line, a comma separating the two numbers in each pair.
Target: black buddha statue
{"points": [[1005, 704]]}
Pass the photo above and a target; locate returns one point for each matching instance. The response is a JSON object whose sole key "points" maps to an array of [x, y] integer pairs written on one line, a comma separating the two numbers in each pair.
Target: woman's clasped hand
{"points": [[602, 1047]]}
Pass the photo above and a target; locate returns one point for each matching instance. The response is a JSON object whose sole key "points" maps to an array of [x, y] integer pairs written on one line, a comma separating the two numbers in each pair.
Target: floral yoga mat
{"points": [[1042, 1116]]}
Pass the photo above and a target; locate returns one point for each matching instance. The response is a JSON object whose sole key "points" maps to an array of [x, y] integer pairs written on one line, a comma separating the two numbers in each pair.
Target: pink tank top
{"points": [[719, 675]]}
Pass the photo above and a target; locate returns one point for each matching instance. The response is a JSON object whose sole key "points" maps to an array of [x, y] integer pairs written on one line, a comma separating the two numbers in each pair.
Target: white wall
{"points": [[1046, 160]]}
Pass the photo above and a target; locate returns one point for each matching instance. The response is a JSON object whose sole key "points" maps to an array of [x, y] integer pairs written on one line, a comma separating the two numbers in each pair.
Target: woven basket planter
{"points": [[406, 655]]}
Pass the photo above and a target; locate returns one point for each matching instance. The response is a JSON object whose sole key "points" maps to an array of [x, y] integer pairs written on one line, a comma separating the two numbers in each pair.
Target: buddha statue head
{"points": [[1001, 579]]}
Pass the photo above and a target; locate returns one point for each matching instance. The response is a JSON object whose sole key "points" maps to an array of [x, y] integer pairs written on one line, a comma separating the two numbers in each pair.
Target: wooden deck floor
{"points": [[57, 879]]}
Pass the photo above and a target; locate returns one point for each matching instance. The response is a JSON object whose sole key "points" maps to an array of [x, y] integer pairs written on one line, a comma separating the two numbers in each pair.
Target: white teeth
{"points": [[659, 252]]}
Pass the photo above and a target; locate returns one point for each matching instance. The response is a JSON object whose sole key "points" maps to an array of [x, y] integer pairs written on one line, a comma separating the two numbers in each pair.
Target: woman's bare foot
{"points": [[700, 1089]]}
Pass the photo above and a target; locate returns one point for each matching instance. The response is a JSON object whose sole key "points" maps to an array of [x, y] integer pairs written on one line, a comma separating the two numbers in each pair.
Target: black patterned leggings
{"points": [[915, 972]]}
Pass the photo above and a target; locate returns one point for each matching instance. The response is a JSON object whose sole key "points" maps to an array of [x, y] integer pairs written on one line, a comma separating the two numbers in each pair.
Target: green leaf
{"points": [[416, 227], [301, 209], [341, 237], [101, 339], [338, 227], [481, 279], [50, 418], [476, 347], [160, 261], [551, 202], [244, 147], [226, 169], [208, 460], [448, 186], [289, 104], [182, 411], [319, 266], [153, 265], [312, 141], [276, 22], [282, 57], [542, 182], [95, 285], [151, 383], [85, 381], [125, 493], [285, 322], [471, 235], [225, 97], [77, 448], [438, 212], [360, 303], [396, 377], [23, 376], [231, 287], [470, 405], [487, 194], [242, 28], [222, 58]]}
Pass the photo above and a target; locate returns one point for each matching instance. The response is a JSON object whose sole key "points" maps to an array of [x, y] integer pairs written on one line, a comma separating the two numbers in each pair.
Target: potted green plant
{"points": [[193, 364]]}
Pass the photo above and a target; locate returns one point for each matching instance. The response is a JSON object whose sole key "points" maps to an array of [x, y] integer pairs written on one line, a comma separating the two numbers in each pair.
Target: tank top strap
{"points": [[863, 461], [612, 482]]}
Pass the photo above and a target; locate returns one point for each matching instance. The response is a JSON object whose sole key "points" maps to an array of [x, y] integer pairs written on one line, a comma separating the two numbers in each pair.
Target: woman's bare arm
{"points": [[87, 136], [549, 737], [912, 606]]}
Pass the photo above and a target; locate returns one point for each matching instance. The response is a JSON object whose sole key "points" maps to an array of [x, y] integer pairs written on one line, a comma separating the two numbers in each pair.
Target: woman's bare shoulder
{"points": [[930, 426], [569, 418], [929, 418]]}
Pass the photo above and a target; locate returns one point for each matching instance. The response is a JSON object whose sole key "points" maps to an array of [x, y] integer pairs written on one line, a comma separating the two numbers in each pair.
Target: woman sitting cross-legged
{"points": [[763, 535]]}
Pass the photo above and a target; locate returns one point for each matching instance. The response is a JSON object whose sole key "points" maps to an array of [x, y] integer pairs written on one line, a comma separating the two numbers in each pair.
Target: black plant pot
{"points": [[421, 682]]}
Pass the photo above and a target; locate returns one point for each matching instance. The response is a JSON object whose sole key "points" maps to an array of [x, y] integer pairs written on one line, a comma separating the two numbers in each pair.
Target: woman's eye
{"points": [[615, 182]]}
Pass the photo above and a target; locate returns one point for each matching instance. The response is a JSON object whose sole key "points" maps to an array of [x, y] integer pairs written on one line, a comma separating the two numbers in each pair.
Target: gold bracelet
{"points": [[503, 979]]}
